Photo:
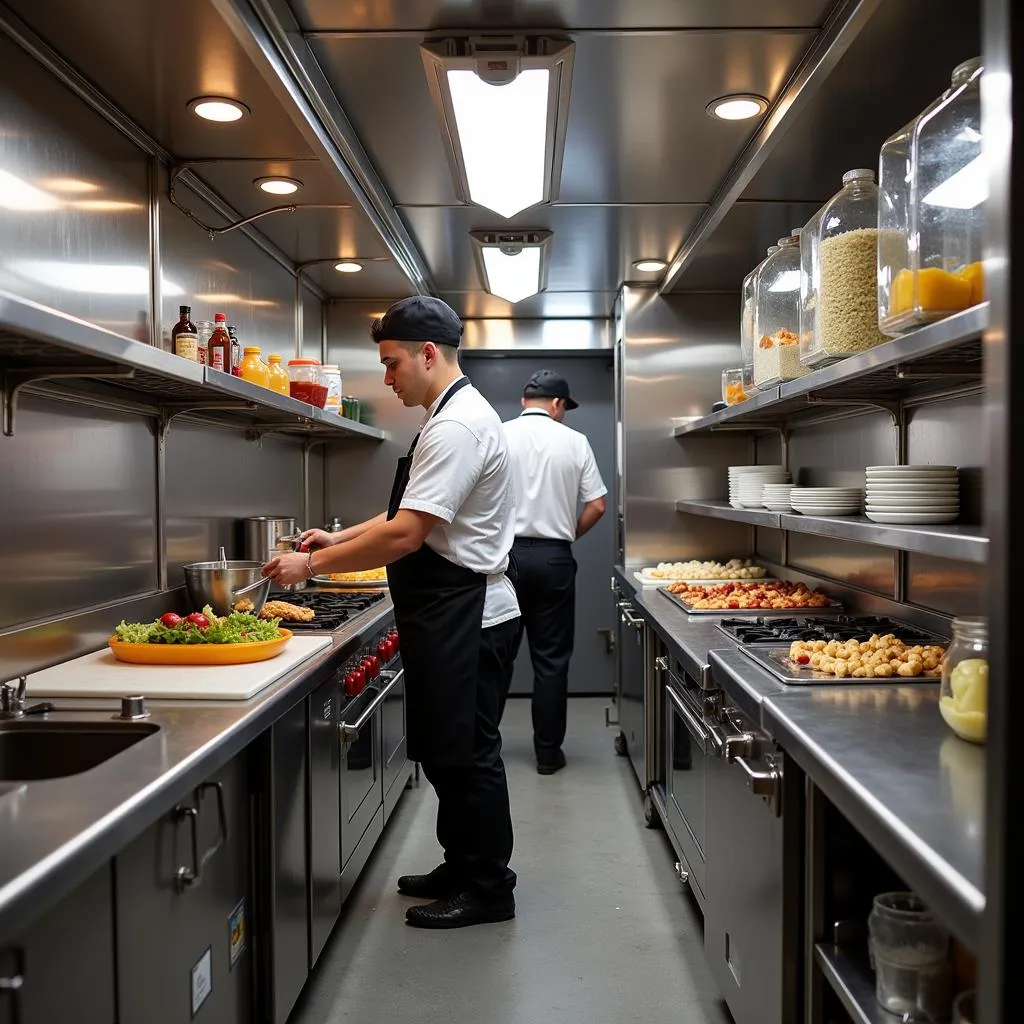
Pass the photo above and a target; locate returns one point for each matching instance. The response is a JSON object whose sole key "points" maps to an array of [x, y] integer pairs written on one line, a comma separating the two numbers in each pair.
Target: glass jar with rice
{"points": [[777, 321], [846, 313]]}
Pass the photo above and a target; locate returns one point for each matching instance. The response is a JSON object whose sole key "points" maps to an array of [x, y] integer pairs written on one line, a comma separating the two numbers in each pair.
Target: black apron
{"points": [[439, 609]]}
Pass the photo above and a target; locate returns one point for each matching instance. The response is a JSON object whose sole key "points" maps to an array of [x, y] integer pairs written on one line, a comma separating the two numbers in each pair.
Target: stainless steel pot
{"points": [[266, 537]]}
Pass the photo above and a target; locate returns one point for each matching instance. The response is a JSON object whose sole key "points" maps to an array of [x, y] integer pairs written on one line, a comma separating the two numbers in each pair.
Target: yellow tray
{"points": [[199, 654]]}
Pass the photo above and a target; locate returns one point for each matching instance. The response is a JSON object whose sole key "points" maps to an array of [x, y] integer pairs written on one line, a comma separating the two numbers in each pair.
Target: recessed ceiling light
{"points": [[513, 265], [218, 108], [278, 186], [348, 267], [738, 107], [649, 265]]}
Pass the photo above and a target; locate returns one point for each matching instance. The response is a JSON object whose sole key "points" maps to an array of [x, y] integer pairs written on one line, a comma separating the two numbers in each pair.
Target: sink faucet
{"points": [[12, 698]]}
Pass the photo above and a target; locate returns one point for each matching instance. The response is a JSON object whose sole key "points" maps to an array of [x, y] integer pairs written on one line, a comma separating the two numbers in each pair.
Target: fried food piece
{"points": [[286, 612], [363, 576], [244, 606]]}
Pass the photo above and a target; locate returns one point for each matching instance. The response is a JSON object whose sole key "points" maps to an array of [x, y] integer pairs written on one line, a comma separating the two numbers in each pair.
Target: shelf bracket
{"points": [[170, 411], [936, 371], [892, 408], [299, 426], [13, 380]]}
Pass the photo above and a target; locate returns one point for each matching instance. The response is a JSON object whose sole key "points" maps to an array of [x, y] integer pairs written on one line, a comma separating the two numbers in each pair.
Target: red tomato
{"points": [[803, 659], [198, 619], [170, 620]]}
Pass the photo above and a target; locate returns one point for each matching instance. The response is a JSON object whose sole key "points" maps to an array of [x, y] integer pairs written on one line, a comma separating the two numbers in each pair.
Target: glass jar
{"points": [[732, 386], [279, 381], [306, 381], [205, 330], [846, 266], [777, 339], [931, 216], [963, 699], [253, 369], [332, 378], [810, 354], [748, 323]]}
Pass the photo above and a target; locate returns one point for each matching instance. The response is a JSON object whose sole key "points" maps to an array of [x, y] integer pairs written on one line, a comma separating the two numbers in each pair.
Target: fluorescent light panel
{"points": [[512, 278]]}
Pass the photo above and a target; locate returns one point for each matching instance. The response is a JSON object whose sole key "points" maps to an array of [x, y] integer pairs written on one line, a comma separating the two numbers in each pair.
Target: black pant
{"points": [[474, 822], [546, 589]]}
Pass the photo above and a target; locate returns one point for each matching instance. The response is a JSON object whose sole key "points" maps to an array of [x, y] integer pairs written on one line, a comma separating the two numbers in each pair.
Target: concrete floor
{"points": [[604, 931]]}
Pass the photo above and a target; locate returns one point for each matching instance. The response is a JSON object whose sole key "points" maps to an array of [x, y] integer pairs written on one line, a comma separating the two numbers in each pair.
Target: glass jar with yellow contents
{"points": [[931, 215], [963, 700]]}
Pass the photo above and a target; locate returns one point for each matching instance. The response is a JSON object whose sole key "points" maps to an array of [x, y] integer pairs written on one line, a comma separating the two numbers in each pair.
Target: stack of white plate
{"points": [[746, 484], [827, 501], [911, 495], [776, 497]]}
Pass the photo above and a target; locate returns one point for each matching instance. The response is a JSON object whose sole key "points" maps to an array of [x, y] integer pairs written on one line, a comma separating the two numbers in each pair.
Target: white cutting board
{"points": [[102, 675]]}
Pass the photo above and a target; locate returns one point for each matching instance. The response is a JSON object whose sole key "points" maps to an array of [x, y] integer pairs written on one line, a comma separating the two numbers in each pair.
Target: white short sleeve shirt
{"points": [[554, 471], [461, 473]]}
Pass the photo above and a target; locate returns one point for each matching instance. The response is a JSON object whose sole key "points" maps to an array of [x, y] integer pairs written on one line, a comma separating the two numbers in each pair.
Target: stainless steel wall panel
{"points": [[950, 587], [860, 565], [312, 340], [549, 335], [77, 504], [215, 478], [73, 202], [834, 454], [674, 351]]}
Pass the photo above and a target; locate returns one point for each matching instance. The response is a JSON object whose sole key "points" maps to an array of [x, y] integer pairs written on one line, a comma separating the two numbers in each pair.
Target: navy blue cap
{"points": [[548, 384], [419, 318]]}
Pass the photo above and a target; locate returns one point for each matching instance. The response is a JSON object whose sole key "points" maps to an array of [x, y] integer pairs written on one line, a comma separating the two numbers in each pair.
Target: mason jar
{"points": [[963, 699], [777, 340]]}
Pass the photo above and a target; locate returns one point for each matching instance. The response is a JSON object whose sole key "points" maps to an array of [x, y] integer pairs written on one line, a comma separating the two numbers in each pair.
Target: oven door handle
{"points": [[693, 726], [350, 733], [766, 784]]}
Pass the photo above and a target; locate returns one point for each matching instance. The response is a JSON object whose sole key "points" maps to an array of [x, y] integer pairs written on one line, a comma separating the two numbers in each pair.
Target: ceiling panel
{"points": [[739, 244], [423, 15], [637, 130], [376, 280], [546, 304], [592, 247], [881, 82]]}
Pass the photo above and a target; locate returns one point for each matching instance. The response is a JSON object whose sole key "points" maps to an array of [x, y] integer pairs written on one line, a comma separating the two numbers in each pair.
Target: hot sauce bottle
{"points": [[219, 347]]}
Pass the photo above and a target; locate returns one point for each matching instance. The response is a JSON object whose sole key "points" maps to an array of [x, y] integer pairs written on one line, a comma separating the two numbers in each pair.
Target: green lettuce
{"points": [[237, 628]]}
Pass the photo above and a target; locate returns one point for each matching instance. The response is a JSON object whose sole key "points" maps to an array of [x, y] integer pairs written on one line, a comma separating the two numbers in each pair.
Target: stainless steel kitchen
{"points": [[769, 249]]}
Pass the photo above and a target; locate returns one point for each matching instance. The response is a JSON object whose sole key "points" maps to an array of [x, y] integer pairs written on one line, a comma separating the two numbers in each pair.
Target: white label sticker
{"points": [[202, 980]]}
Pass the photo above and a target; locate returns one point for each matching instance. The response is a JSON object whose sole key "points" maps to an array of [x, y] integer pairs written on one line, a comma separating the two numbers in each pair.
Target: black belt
{"points": [[536, 541]]}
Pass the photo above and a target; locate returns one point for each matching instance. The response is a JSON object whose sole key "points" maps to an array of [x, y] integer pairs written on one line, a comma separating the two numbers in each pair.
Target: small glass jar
{"points": [[777, 341], [963, 699], [748, 322], [253, 369], [931, 216], [204, 329], [732, 386], [278, 375], [846, 308], [332, 378], [306, 381]]}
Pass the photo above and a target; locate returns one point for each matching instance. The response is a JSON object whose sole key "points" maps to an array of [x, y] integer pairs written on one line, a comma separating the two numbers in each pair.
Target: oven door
{"points": [[689, 745], [393, 737], [361, 790]]}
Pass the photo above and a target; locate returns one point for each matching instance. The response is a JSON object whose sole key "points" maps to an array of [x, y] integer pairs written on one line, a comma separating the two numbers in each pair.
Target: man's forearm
{"points": [[380, 542], [352, 532], [589, 516]]}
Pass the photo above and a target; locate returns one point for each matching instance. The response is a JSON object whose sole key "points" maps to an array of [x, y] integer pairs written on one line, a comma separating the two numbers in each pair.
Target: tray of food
{"points": [[356, 580], [202, 638], [767, 597], [695, 571], [806, 662]]}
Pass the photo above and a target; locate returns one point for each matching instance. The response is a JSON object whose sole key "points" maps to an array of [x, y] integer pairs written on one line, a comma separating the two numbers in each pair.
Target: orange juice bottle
{"points": [[253, 369], [278, 375]]}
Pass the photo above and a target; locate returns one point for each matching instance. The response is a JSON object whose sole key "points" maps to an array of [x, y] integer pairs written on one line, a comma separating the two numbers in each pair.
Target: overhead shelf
{"points": [[931, 358], [954, 540], [38, 344]]}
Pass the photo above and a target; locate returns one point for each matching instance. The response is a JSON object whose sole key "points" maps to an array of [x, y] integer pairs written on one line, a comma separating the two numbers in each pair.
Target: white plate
{"points": [[907, 492], [925, 467], [750, 469], [904, 510], [827, 512], [915, 476], [905, 503], [912, 518], [796, 500]]}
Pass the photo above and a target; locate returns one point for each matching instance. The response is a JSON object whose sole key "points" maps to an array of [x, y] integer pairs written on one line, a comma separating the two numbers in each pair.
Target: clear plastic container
{"points": [[777, 344], [307, 381], [732, 386], [253, 369], [846, 269], [931, 216], [748, 322], [332, 378], [963, 700]]}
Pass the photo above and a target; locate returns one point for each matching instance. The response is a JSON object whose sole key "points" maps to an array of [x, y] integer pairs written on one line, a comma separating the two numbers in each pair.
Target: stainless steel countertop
{"points": [[747, 684], [883, 755], [55, 833]]}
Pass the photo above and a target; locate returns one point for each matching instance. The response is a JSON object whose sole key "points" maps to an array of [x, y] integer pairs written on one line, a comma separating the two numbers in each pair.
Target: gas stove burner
{"points": [[764, 630], [332, 608]]}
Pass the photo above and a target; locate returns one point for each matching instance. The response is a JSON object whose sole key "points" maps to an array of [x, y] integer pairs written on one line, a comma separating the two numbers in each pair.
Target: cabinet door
{"points": [[324, 818], [393, 733], [184, 947], [65, 961]]}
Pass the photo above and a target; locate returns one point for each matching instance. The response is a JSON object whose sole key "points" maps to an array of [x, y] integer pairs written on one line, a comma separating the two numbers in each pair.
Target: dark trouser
{"points": [[474, 822], [546, 589]]}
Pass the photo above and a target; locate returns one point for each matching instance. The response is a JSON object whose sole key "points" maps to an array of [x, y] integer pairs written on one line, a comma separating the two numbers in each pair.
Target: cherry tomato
{"points": [[198, 619], [803, 659], [170, 620]]}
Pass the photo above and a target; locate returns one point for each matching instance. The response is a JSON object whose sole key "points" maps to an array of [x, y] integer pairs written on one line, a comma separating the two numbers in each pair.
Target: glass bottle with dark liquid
{"points": [[184, 336], [219, 349]]}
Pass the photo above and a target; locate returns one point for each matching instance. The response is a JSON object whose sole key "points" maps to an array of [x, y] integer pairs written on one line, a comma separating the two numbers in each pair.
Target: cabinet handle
{"points": [[628, 618], [661, 663], [186, 877], [766, 784]]}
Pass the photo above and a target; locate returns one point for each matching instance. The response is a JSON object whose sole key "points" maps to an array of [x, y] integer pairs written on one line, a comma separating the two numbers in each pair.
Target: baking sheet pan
{"points": [[831, 608]]}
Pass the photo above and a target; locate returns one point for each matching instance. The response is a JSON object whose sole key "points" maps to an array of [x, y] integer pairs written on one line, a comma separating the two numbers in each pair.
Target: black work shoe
{"points": [[461, 911], [550, 767], [437, 885]]}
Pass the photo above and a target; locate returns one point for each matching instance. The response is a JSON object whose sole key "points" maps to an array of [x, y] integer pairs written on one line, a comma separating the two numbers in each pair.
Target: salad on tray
{"points": [[203, 627]]}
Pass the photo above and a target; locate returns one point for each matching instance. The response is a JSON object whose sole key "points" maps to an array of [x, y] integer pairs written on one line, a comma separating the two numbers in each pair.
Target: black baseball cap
{"points": [[419, 318], [548, 384]]}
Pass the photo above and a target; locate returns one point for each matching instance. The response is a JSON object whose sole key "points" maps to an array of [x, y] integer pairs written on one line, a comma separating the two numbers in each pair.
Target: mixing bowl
{"points": [[210, 583]]}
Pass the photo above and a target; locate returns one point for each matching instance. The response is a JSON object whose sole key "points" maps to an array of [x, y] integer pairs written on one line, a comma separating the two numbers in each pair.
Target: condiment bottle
{"points": [[184, 336], [253, 369], [278, 375], [218, 354], [236, 351]]}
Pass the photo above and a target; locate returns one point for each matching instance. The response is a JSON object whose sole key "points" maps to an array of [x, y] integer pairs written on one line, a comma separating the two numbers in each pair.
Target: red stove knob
{"points": [[393, 637], [384, 651], [351, 681], [360, 680], [371, 666]]}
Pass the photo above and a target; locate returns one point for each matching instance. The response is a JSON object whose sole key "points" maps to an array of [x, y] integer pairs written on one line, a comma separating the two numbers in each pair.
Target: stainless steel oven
{"points": [[394, 747], [361, 788]]}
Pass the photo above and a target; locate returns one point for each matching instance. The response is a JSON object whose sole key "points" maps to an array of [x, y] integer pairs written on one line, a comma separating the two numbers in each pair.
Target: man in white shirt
{"points": [[445, 539], [555, 472]]}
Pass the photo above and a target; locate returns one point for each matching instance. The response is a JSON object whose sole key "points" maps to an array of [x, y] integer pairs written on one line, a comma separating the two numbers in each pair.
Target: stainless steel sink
{"points": [[32, 749]]}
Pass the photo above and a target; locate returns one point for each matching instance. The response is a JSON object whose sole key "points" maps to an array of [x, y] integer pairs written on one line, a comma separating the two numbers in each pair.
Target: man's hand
{"points": [[287, 569], [316, 539]]}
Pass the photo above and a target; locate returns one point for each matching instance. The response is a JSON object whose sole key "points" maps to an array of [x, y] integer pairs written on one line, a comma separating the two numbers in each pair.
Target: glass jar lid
{"points": [[963, 72], [971, 627], [303, 362], [859, 174]]}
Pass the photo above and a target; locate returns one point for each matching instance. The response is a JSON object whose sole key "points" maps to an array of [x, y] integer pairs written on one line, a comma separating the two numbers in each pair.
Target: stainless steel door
{"points": [[629, 654], [361, 789], [324, 888], [393, 737]]}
